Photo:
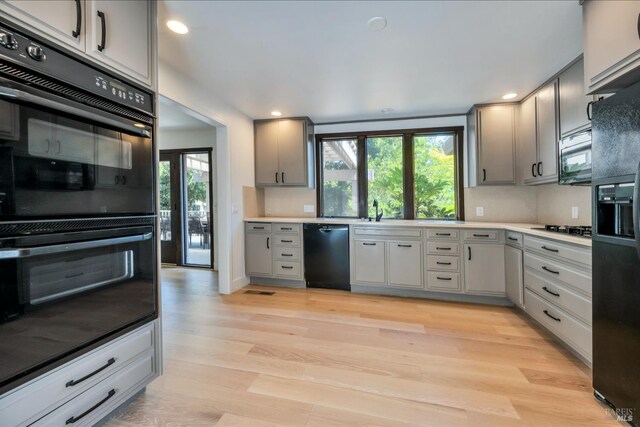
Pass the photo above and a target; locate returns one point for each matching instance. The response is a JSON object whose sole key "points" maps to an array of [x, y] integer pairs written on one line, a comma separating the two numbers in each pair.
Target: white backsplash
{"points": [[555, 203], [501, 204], [289, 202]]}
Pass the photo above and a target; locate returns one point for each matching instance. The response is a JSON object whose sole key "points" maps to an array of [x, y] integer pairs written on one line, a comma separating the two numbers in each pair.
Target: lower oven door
{"points": [[62, 295]]}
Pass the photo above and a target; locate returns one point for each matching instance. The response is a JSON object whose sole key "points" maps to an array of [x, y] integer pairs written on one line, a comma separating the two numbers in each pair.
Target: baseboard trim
{"points": [[442, 296]]}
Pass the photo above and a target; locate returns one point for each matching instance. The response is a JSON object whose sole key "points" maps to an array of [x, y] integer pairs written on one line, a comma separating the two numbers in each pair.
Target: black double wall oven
{"points": [[77, 207]]}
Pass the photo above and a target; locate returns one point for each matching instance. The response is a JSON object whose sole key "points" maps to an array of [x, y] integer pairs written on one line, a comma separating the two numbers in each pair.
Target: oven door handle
{"points": [[20, 95], [68, 247]]}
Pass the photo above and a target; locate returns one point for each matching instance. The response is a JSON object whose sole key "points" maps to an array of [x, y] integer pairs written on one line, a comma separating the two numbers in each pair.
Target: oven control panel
{"points": [[40, 57]]}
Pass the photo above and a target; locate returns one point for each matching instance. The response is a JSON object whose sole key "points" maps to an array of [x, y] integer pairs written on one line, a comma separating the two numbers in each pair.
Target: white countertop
{"points": [[518, 227]]}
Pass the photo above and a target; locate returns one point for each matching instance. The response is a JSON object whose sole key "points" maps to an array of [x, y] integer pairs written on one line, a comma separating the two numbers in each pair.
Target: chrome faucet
{"points": [[375, 205]]}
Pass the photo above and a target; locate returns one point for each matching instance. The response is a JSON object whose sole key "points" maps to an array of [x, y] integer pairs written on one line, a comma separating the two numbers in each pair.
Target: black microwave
{"points": [[575, 159]]}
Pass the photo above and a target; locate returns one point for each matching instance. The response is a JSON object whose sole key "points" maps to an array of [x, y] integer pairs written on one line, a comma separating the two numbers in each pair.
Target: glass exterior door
{"points": [[170, 230]]}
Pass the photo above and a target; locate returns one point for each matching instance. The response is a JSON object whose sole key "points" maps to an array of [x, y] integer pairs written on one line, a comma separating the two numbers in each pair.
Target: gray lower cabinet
{"points": [[274, 250], [514, 273], [370, 262], [404, 264], [258, 257], [484, 269]]}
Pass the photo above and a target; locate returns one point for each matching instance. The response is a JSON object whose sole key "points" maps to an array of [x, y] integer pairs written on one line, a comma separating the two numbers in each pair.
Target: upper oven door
{"points": [[59, 158], [575, 159]]}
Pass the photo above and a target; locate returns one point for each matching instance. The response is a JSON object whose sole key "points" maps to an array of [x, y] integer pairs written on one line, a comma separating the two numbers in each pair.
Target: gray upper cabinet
{"points": [[284, 152], [59, 19], [573, 101], [611, 45], [492, 144], [118, 35]]}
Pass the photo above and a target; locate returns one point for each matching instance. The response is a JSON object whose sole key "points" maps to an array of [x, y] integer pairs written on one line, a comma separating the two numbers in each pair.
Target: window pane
{"points": [[435, 189], [385, 180], [340, 177]]}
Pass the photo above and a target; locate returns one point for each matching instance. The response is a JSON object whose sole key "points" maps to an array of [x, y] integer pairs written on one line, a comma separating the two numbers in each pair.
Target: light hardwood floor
{"points": [[329, 358]]}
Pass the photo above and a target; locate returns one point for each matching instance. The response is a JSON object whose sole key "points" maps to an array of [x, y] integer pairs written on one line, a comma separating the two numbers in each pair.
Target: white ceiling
{"points": [[320, 59], [171, 116]]}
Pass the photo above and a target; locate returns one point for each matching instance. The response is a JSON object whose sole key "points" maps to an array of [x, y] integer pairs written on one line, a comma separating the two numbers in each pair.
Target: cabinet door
{"points": [[547, 130], [370, 262], [573, 102], [495, 131], [291, 152], [484, 269], [611, 43], [405, 264], [266, 153], [527, 139], [56, 18], [514, 275], [258, 254], [127, 44]]}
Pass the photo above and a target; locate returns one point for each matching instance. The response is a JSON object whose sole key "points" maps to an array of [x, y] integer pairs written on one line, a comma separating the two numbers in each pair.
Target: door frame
{"points": [[178, 154], [175, 175]]}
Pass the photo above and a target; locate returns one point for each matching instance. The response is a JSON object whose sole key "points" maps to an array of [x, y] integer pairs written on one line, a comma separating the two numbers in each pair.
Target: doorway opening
{"points": [[187, 198]]}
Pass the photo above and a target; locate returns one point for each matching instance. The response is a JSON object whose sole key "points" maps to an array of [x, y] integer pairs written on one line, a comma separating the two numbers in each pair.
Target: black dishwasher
{"points": [[326, 256]]}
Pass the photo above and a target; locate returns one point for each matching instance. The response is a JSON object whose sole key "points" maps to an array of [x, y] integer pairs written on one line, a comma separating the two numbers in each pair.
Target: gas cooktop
{"points": [[574, 230]]}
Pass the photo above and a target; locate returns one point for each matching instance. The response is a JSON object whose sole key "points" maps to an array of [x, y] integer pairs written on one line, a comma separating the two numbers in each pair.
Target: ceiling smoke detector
{"points": [[377, 23]]}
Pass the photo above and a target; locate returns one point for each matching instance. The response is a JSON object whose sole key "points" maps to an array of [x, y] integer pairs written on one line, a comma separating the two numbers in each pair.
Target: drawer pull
{"points": [[550, 249], [405, 246], [71, 276], [100, 369], [513, 239], [549, 270], [286, 228], [443, 249], [480, 235], [550, 292], [443, 234], [286, 241], [443, 263], [287, 267], [287, 254], [369, 244], [73, 420], [443, 278], [258, 228], [554, 318]]}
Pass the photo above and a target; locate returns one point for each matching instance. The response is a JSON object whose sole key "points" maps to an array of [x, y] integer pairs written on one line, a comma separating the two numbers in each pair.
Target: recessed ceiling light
{"points": [[177, 27], [386, 110], [510, 95], [276, 113], [377, 23]]}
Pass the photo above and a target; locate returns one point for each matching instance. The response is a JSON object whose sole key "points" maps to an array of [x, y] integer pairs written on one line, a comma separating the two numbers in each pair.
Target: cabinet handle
{"points": [[443, 234], [117, 179], [533, 170], [74, 419], [124, 180], [59, 147], [443, 263], [277, 182], [286, 228], [76, 33], [589, 108], [103, 20], [549, 270], [469, 247], [443, 278], [638, 26], [287, 254], [287, 267], [283, 177], [484, 175], [480, 235], [368, 244], [286, 241], [550, 249], [513, 239], [550, 292], [554, 318], [539, 168], [86, 377], [405, 246], [258, 228], [443, 249], [268, 239]]}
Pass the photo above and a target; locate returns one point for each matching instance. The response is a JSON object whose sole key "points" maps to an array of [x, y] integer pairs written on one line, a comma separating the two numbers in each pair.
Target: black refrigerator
{"points": [[616, 252]]}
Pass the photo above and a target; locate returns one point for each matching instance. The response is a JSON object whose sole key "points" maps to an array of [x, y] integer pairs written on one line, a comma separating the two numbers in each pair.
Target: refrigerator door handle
{"points": [[636, 214]]}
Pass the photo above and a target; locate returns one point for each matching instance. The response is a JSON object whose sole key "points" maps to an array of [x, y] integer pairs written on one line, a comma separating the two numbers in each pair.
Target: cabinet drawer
{"points": [[559, 295], [443, 281], [559, 250], [386, 231], [287, 254], [443, 248], [443, 233], [370, 265], [259, 227], [47, 393], [405, 264], [104, 397], [287, 269], [481, 235], [555, 271], [569, 329], [286, 240], [287, 228], [438, 262], [514, 239]]}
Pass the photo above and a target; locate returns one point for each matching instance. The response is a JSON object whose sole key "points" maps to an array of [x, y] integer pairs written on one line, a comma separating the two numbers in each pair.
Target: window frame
{"points": [[408, 167]]}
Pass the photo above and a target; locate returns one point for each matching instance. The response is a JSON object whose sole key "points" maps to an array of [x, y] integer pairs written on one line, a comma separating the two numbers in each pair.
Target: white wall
{"points": [[235, 169]]}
